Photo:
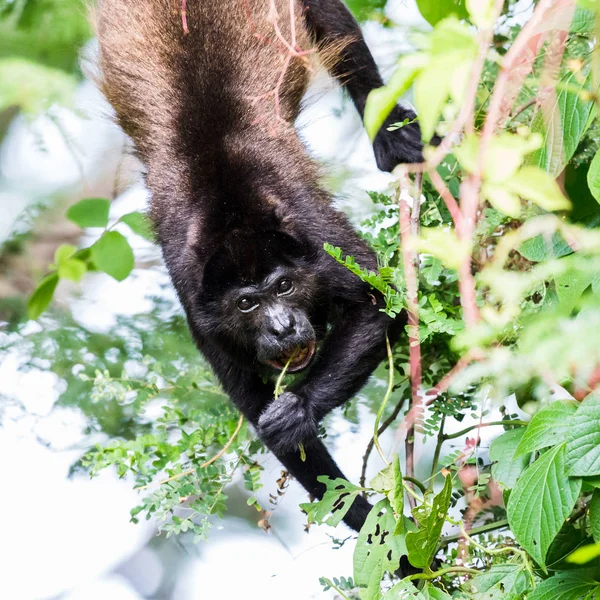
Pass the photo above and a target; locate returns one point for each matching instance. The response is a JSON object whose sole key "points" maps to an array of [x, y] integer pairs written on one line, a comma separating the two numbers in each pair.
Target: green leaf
{"points": [[432, 593], [593, 176], [404, 590], [72, 269], [33, 87], [570, 287], [444, 244], [334, 505], [139, 223], [113, 255], [63, 253], [377, 549], [585, 554], [583, 20], [564, 586], [389, 482], [423, 543], [505, 155], [91, 212], [382, 101], [434, 11], [364, 9], [570, 116], [548, 427], [452, 52], [42, 296], [506, 466], [540, 503], [538, 249], [506, 582], [481, 12], [583, 442], [595, 516], [538, 187]]}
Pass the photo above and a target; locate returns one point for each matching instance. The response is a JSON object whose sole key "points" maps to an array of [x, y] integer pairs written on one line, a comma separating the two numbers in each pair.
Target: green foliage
{"points": [[436, 10], [566, 586], [111, 253], [335, 502], [422, 544], [545, 484], [583, 439], [91, 212], [33, 87], [536, 292]]}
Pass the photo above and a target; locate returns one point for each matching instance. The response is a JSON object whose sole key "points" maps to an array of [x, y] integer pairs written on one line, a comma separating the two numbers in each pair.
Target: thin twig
{"points": [[203, 465], [410, 260], [371, 444], [448, 198], [441, 572], [388, 393], [451, 539], [453, 436]]}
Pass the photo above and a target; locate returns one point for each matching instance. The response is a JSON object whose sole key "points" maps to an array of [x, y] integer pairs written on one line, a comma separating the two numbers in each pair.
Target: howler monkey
{"points": [[209, 98]]}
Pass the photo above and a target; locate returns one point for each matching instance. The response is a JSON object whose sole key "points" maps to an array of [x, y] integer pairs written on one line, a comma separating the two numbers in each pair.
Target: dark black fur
{"points": [[238, 208]]}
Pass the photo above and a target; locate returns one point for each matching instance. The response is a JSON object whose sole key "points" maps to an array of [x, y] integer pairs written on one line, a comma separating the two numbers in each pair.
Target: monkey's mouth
{"points": [[301, 357]]}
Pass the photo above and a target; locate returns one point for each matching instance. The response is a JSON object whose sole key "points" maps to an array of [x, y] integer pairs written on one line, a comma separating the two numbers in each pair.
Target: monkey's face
{"points": [[273, 317], [261, 296]]}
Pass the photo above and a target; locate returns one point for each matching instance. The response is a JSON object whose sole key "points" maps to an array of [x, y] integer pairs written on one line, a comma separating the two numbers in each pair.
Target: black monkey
{"points": [[209, 100]]}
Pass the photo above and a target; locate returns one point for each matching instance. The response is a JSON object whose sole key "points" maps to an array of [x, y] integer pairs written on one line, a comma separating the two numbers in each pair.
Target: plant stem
{"points": [[453, 436], [370, 445], [450, 539], [441, 572], [436, 455], [388, 393]]}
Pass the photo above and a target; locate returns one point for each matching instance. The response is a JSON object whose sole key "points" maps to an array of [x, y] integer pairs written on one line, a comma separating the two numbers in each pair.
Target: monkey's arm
{"points": [[251, 395], [330, 21], [353, 349]]}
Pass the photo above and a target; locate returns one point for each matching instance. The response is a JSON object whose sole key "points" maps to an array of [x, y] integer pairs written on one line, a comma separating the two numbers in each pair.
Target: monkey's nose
{"points": [[283, 327]]}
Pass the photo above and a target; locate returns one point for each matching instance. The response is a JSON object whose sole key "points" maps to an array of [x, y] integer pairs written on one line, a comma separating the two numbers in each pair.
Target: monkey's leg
{"points": [[251, 395], [330, 22]]}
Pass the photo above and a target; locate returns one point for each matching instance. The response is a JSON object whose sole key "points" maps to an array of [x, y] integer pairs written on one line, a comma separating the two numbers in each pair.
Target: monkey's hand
{"points": [[286, 423], [401, 145]]}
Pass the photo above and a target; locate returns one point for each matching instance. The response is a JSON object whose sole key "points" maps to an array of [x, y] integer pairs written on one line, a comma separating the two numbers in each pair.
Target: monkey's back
{"points": [[198, 75]]}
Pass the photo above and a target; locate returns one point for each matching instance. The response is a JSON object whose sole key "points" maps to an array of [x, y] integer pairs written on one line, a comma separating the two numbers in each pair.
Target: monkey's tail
{"points": [[318, 462]]}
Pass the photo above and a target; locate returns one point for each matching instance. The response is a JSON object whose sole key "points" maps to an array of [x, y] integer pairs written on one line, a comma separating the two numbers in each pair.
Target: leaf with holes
{"points": [[583, 442], [377, 549], [548, 427], [507, 582], [565, 586], [334, 505], [422, 543], [91, 212], [113, 255], [506, 466], [540, 503]]}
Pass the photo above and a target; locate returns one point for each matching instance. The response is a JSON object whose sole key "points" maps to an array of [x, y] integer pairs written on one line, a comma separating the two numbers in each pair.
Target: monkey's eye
{"points": [[285, 286], [246, 304]]}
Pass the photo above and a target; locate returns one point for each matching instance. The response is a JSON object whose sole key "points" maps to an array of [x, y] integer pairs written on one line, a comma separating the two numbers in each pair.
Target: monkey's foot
{"points": [[286, 423], [401, 145]]}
